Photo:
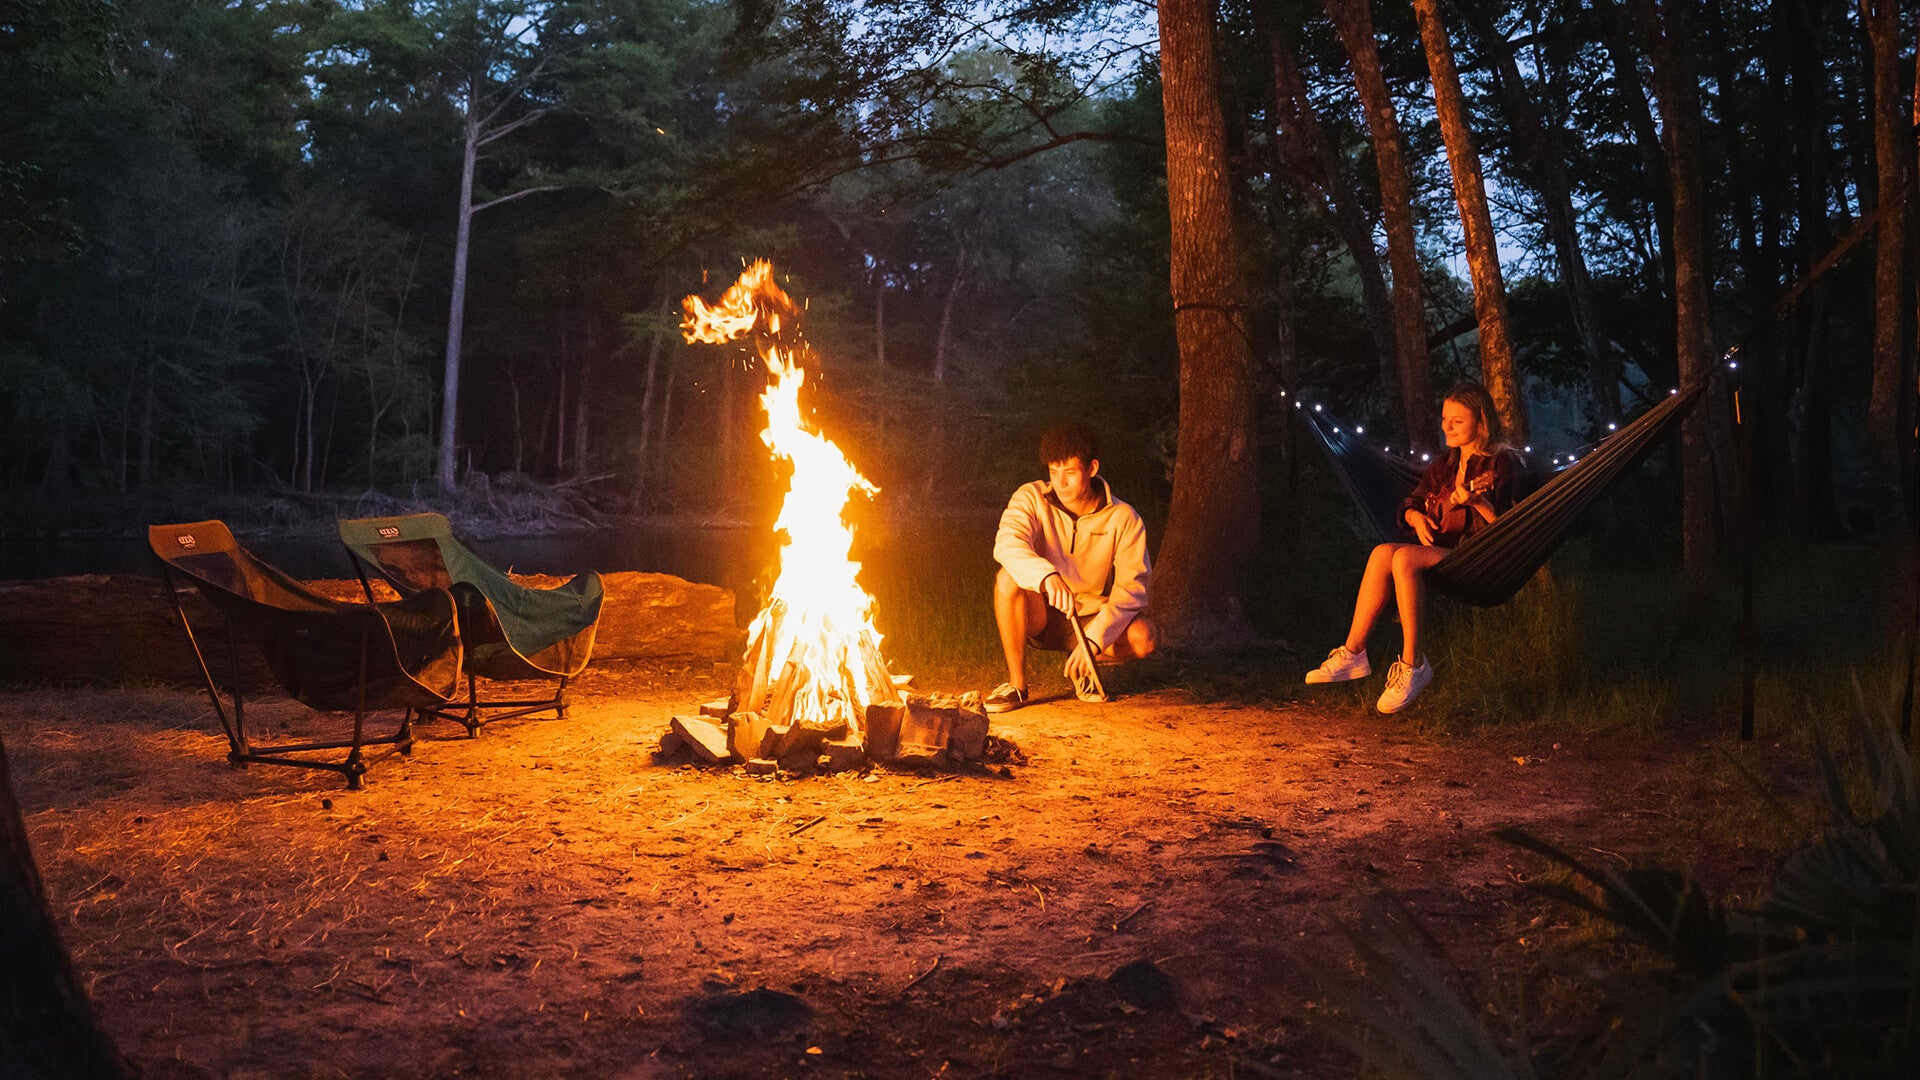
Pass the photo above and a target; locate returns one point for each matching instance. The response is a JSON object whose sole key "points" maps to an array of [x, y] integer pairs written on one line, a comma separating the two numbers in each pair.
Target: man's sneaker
{"points": [[1404, 683], [1341, 666], [1005, 698]]}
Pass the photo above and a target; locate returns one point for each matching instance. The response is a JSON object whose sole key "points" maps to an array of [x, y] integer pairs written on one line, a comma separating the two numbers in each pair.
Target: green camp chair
{"points": [[512, 632], [330, 655]]}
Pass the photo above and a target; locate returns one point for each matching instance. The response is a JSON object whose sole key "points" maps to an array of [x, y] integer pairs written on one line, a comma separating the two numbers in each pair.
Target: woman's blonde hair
{"points": [[1480, 403]]}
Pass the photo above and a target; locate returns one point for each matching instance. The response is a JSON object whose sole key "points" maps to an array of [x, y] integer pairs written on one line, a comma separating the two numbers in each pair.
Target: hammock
{"points": [[1490, 566]]}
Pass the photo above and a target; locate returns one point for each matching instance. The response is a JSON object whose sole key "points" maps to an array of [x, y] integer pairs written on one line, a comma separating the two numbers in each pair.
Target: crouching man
{"points": [[1068, 549]]}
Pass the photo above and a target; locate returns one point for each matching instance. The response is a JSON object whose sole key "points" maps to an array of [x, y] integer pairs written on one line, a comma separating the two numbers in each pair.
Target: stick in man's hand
{"points": [[1086, 683]]}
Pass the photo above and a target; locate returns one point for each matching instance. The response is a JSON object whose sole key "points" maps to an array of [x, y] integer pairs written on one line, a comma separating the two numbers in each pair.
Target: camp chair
{"points": [[512, 632], [330, 655], [1490, 566]]}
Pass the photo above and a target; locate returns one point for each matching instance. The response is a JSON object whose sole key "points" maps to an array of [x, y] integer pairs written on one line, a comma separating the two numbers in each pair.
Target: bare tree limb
{"points": [[516, 195], [509, 128]]}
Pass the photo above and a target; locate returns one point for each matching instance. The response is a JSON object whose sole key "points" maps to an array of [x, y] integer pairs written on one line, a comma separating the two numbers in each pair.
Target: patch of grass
{"points": [[932, 584], [1596, 647]]}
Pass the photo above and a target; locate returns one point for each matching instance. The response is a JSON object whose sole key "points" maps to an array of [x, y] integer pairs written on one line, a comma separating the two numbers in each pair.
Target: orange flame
{"points": [[824, 620]]}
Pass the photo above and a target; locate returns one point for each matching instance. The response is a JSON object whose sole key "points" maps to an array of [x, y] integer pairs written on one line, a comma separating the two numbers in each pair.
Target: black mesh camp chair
{"points": [[330, 655], [512, 632]]}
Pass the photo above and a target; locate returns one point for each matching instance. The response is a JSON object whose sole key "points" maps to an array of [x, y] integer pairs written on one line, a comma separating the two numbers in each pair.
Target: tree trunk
{"points": [[519, 439], [723, 434], [1213, 519], [879, 315], [1305, 149], [308, 401], [1354, 22], [1546, 157], [1646, 137], [946, 316], [47, 1026], [582, 402], [1886, 433], [146, 425], [1676, 94], [643, 465], [1483, 254], [457, 306], [560, 424]]}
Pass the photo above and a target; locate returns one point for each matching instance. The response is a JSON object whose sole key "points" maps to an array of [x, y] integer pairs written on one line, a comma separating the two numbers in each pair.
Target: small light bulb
{"points": [[1733, 365], [1283, 393], [1426, 457], [1527, 450], [1673, 391], [1316, 408], [1613, 427], [1358, 430], [1296, 404]]}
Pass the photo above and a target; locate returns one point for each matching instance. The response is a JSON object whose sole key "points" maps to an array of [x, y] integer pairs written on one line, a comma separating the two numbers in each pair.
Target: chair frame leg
{"points": [[241, 751], [473, 717]]}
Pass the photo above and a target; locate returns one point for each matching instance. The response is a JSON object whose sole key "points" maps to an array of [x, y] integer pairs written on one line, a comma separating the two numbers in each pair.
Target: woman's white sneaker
{"points": [[1404, 683], [1341, 666]]}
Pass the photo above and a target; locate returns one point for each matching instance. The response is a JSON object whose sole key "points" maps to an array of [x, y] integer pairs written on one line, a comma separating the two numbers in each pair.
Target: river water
{"points": [[731, 556], [738, 557]]}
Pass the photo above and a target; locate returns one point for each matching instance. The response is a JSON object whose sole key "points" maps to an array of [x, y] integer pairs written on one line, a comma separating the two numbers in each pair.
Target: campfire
{"points": [[814, 690]]}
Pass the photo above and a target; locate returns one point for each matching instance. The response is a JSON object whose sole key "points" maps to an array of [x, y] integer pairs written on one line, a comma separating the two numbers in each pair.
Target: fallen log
{"points": [[121, 628]]}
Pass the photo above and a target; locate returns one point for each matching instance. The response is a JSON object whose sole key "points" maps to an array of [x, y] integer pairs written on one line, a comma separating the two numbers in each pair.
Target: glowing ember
{"points": [[813, 655]]}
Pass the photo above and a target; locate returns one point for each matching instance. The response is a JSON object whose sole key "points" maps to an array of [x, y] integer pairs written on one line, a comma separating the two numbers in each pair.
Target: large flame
{"points": [[821, 619]]}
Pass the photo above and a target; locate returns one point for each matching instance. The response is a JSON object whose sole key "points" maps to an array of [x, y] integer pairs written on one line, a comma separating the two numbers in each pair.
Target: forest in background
{"points": [[232, 236]]}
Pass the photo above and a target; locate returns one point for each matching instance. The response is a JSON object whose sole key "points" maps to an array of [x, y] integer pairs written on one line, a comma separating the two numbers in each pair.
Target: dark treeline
{"points": [[241, 242]]}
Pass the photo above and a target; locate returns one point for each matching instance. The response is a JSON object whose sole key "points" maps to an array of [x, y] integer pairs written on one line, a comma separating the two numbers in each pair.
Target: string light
{"points": [[1571, 456]]}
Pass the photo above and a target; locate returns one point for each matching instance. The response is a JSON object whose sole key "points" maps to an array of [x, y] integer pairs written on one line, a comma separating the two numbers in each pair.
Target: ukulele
{"points": [[1454, 519]]}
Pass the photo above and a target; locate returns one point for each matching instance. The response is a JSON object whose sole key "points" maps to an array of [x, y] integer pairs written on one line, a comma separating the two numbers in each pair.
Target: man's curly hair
{"points": [[1068, 440]]}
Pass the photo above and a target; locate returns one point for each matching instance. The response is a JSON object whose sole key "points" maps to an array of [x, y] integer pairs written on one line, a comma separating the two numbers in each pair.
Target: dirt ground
{"points": [[547, 900]]}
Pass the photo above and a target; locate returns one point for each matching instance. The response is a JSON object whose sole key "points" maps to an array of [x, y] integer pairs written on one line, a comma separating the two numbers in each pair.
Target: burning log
{"points": [[781, 676]]}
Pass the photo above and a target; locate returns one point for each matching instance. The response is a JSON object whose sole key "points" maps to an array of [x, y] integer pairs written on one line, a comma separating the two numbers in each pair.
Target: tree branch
{"points": [[510, 127], [1055, 143], [518, 194]]}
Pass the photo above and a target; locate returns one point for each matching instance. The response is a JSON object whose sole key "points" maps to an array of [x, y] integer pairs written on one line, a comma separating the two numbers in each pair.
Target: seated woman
{"points": [[1473, 482]]}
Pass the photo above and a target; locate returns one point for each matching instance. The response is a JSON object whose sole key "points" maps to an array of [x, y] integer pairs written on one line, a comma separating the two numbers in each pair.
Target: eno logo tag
{"points": [[388, 532], [186, 540]]}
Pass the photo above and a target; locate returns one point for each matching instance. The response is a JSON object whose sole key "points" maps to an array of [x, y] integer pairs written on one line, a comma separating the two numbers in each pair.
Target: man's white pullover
{"points": [[1102, 555]]}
